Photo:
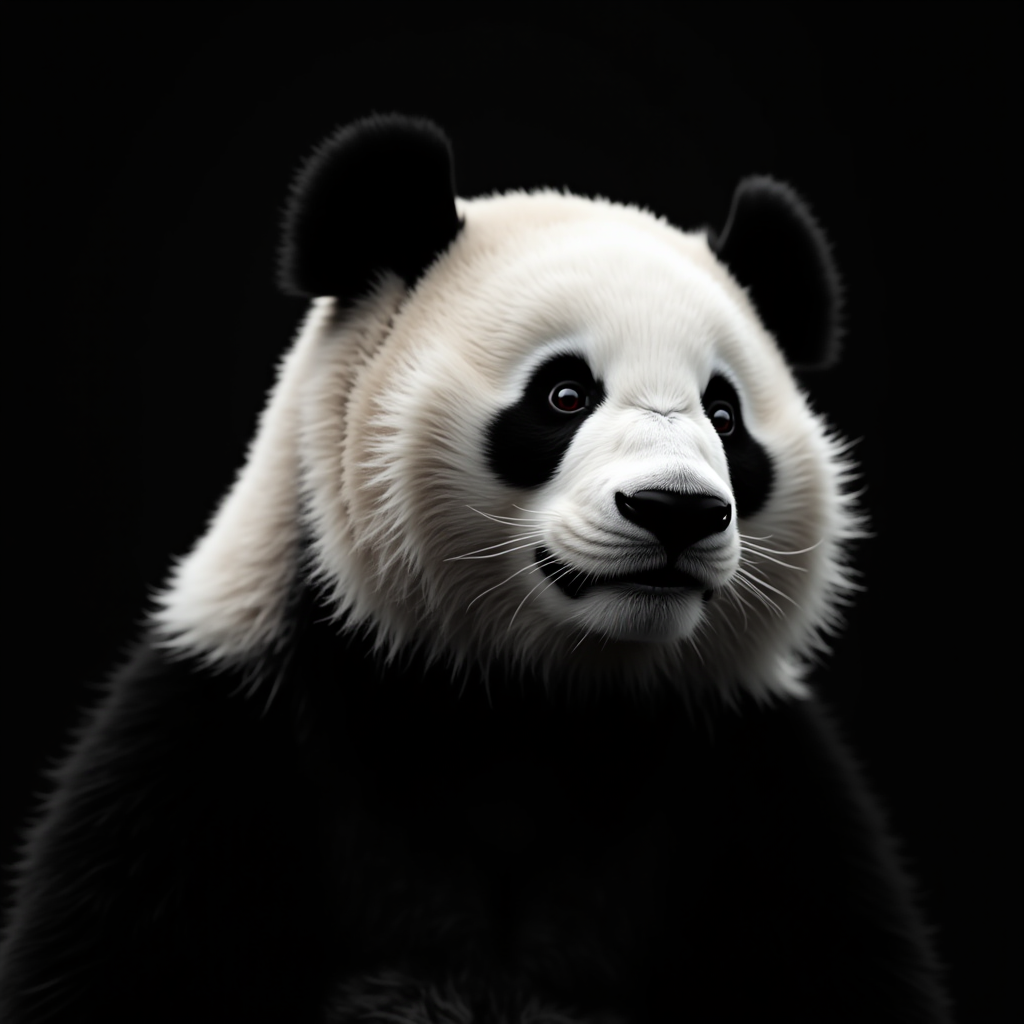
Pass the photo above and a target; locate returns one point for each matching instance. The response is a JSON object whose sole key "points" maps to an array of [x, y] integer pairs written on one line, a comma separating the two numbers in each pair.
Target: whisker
{"points": [[753, 567], [728, 620], [774, 590], [532, 589], [746, 541], [753, 586], [550, 582], [706, 624], [785, 565], [554, 579], [743, 606], [504, 520], [587, 630], [530, 539], [539, 511], [532, 566]]}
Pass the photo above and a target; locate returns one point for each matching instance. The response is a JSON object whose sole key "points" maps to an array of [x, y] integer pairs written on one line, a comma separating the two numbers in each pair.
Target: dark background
{"points": [[149, 148]]}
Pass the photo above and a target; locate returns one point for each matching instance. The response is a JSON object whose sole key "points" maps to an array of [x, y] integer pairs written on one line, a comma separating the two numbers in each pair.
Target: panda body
{"points": [[482, 696]]}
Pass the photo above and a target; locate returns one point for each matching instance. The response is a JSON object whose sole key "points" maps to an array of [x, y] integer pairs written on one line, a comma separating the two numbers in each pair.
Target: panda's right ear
{"points": [[377, 195], [775, 248]]}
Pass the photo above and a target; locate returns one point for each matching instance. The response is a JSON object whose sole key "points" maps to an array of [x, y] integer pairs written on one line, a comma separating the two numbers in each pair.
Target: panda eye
{"points": [[722, 417], [569, 397]]}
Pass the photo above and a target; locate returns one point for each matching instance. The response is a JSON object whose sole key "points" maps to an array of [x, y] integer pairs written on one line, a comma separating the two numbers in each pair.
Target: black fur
{"points": [[526, 442], [377, 195], [264, 845], [214, 855], [750, 467], [775, 248]]}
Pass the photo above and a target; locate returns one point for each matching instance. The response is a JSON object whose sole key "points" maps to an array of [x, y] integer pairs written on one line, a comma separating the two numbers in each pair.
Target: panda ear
{"points": [[377, 195], [777, 251]]}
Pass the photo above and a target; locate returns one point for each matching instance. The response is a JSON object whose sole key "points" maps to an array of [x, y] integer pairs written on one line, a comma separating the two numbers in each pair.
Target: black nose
{"points": [[677, 520]]}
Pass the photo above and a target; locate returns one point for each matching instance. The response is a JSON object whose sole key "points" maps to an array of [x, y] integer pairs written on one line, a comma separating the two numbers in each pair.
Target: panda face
{"points": [[608, 441], [563, 442], [570, 448]]}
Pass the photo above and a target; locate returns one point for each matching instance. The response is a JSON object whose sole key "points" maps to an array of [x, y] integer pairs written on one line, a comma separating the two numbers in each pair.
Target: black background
{"points": [[149, 148]]}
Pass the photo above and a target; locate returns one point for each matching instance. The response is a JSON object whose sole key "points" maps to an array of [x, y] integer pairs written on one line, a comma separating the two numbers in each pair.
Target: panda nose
{"points": [[677, 520]]}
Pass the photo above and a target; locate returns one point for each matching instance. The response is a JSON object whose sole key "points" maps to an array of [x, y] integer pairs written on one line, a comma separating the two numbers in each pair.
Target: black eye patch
{"points": [[750, 467], [526, 441]]}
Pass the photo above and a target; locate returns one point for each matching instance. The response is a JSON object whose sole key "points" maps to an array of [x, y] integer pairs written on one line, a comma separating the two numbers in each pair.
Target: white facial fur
{"points": [[376, 433]]}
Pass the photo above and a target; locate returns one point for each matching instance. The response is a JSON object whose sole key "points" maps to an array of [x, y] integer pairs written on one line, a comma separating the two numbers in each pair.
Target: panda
{"points": [[483, 696]]}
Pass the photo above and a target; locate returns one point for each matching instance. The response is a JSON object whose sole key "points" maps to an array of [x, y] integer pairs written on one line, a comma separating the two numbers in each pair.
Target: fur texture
{"points": [[482, 698], [773, 244], [409, 526]]}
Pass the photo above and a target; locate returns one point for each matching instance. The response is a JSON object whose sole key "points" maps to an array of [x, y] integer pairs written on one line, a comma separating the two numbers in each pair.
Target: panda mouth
{"points": [[575, 583]]}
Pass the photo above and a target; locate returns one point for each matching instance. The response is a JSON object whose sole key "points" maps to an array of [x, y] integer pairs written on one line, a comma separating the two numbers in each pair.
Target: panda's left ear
{"points": [[377, 195], [777, 251]]}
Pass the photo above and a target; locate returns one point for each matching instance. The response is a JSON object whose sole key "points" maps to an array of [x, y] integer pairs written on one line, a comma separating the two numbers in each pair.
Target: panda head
{"points": [[537, 431]]}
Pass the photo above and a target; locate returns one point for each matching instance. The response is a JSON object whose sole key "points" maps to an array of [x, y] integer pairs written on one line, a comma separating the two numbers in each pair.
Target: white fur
{"points": [[375, 432]]}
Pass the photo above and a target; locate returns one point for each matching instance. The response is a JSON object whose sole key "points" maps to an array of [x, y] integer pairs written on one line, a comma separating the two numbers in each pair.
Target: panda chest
{"points": [[486, 837]]}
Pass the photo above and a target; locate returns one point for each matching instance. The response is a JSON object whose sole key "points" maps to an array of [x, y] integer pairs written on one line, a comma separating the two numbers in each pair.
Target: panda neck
{"points": [[344, 679]]}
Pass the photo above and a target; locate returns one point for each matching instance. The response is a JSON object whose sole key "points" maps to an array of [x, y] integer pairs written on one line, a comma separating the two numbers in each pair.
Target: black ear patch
{"points": [[777, 251], [378, 194]]}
